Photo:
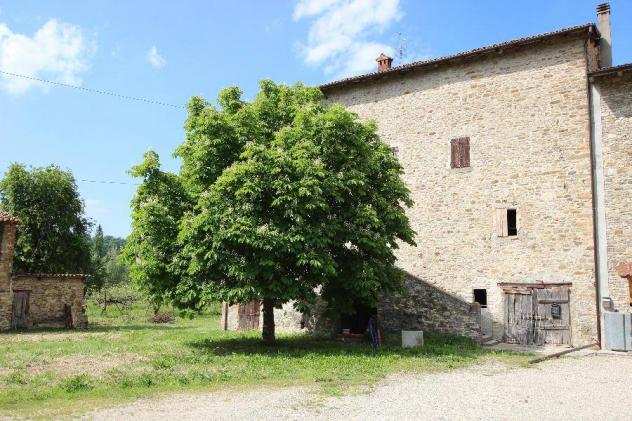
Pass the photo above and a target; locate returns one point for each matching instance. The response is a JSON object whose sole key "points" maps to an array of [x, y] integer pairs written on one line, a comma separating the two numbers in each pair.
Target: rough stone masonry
{"points": [[36, 300], [522, 210]]}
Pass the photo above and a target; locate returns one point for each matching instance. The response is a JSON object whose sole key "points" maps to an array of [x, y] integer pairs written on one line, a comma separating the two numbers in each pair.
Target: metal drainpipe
{"points": [[599, 217]]}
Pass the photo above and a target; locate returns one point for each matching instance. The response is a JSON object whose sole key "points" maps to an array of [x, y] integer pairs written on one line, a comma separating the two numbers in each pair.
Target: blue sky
{"points": [[168, 51]]}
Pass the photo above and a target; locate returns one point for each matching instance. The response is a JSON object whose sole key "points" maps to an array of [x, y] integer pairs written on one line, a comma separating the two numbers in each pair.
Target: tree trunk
{"points": [[268, 321]]}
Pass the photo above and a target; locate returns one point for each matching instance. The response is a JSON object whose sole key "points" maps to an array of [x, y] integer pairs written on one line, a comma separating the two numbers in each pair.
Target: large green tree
{"points": [[289, 195], [53, 234], [157, 209]]}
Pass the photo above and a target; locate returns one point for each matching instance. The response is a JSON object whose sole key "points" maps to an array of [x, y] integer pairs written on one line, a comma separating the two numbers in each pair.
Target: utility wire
{"points": [[107, 182], [94, 91]]}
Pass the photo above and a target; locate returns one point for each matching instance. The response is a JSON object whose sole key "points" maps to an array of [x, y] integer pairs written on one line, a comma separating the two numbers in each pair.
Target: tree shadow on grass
{"points": [[93, 329], [303, 345]]}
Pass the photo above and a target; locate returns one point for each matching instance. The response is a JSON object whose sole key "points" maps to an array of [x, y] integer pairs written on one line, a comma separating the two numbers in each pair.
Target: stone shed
{"points": [[36, 300]]}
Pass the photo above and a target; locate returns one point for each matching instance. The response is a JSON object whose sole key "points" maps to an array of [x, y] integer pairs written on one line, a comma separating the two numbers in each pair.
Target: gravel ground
{"points": [[594, 386]]}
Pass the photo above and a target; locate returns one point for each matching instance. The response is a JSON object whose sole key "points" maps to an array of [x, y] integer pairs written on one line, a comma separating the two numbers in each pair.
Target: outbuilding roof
{"points": [[614, 70], [588, 30]]}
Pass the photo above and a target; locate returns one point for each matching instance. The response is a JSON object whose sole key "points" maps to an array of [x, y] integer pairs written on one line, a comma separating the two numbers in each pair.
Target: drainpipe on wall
{"points": [[604, 302]]}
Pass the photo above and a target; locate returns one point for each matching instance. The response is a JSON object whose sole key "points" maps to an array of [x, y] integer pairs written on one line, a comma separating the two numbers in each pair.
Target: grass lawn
{"points": [[122, 356]]}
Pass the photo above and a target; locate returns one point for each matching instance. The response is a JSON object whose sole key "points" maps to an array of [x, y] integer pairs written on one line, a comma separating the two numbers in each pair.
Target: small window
{"points": [[512, 225], [395, 150], [506, 222], [460, 152], [480, 296]]}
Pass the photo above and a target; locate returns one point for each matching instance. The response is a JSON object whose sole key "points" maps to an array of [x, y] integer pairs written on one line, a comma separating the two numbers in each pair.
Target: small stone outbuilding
{"points": [[36, 300]]}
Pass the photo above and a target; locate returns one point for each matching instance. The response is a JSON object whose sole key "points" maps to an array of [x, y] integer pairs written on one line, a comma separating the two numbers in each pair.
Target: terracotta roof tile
{"points": [[49, 275], [609, 71], [589, 28]]}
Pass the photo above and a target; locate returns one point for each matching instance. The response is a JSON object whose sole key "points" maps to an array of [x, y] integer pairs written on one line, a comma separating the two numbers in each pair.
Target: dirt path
{"points": [[587, 387]]}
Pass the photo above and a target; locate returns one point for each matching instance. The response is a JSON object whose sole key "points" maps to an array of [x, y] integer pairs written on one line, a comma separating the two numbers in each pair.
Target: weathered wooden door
{"points": [[552, 315], [249, 315], [537, 314], [519, 327], [20, 310]]}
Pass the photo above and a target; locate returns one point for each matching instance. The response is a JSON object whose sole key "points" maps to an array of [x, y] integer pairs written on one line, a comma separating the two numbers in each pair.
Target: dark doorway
{"points": [[20, 310], [358, 321]]}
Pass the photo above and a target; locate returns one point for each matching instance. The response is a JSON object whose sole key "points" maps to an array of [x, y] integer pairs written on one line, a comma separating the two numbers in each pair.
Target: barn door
{"points": [[519, 315], [249, 315], [20, 310], [552, 321]]}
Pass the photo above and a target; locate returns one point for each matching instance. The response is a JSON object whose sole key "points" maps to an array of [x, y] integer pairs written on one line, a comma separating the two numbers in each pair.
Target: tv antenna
{"points": [[402, 44]]}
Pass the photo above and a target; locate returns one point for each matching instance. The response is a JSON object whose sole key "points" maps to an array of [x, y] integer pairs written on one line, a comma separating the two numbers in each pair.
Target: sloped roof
{"points": [[588, 30], [614, 70], [50, 275], [5, 217]]}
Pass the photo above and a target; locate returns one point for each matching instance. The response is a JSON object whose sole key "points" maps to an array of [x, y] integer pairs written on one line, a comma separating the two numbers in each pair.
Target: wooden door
{"points": [[249, 315], [519, 326], [552, 315], [20, 310]]}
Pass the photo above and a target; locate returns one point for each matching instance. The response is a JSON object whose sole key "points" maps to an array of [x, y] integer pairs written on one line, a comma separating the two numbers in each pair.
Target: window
{"points": [[460, 152], [480, 296], [512, 226], [395, 150], [506, 222]]}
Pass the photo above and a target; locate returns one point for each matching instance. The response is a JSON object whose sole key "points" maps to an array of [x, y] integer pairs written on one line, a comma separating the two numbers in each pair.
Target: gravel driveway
{"points": [[587, 387]]}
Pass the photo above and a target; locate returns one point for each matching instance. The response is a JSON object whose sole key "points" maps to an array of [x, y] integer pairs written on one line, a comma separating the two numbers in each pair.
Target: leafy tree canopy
{"points": [[157, 209], [285, 194], [53, 233]]}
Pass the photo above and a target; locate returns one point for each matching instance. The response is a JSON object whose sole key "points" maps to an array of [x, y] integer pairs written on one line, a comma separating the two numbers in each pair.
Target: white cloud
{"points": [[57, 51], [340, 34], [155, 59]]}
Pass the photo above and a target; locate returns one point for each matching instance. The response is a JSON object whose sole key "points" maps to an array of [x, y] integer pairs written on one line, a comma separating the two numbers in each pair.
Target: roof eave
{"points": [[611, 71], [589, 29]]}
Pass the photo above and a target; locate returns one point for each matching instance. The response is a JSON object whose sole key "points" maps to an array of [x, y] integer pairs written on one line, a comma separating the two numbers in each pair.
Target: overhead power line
{"points": [[107, 182], [93, 91]]}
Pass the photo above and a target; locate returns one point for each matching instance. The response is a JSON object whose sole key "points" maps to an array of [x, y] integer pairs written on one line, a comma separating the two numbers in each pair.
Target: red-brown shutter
{"points": [[465, 152], [454, 153], [460, 152]]}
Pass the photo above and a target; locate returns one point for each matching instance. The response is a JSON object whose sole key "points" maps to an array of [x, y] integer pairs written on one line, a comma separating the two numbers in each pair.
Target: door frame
{"points": [[534, 325], [14, 295]]}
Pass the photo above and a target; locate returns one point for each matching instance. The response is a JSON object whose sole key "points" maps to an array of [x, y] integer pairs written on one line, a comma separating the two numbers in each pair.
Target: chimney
{"points": [[384, 62], [605, 44]]}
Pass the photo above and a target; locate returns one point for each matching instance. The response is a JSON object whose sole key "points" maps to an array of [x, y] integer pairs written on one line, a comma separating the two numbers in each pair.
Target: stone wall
{"points": [[425, 307], [616, 113], [526, 113], [7, 244], [48, 294]]}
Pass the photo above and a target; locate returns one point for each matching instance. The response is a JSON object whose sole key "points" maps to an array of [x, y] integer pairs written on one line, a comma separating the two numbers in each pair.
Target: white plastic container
{"points": [[412, 338]]}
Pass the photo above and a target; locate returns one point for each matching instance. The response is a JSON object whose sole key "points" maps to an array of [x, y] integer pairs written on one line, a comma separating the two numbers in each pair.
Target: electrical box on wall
{"points": [[617, 331]]}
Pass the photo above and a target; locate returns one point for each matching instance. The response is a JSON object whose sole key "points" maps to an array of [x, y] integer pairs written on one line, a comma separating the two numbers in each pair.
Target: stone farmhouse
{"points": [[36, 300], [519, 159]]}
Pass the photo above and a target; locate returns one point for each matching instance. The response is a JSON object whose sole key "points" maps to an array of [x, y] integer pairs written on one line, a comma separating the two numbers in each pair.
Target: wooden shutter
{"points": [[454, 153], [502, 229], [465, 151], [460, 152]]}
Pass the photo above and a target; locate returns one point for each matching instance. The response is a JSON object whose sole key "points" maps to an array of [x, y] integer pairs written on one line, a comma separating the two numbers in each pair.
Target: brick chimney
{"points": [[383, 62], [605, 45]]}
